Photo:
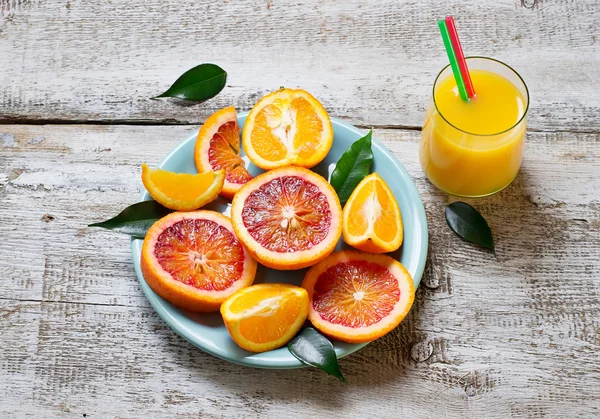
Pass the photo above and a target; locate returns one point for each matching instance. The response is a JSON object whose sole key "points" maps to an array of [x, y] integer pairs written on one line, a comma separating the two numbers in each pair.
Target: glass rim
{"points": [[472, 133]]}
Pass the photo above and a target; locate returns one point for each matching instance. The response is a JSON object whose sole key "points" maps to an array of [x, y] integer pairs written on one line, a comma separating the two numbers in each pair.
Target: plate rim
{"points": [[182, 330]]}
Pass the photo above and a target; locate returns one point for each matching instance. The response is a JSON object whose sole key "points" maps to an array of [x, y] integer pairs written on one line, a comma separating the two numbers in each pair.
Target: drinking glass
{"points": [[468, 164]]}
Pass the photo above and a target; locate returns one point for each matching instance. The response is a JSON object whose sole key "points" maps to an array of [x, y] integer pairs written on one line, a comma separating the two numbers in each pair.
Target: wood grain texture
{"points": [[515, 334], [71, 60]]}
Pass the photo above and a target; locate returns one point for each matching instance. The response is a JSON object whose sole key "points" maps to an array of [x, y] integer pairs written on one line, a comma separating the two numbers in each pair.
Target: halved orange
{"points": [[218, 147], [358, 297], [195, 261], [287, 127], [182, 191], [265, 316], [372, 220], [288, 218]]}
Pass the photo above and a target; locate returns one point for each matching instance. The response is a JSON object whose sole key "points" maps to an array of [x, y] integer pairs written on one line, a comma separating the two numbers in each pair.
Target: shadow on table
{"points": [[384, 361], [404, 356]]}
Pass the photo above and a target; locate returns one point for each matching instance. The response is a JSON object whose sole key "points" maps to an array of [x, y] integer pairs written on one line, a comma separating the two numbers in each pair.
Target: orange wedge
{"points": [[265, 316], [287, 127], [218, 147], [182, 191], [371, 219]]}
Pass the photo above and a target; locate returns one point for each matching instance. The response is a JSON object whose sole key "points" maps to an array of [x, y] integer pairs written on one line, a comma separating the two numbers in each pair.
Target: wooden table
{"points": [[511, 335]]}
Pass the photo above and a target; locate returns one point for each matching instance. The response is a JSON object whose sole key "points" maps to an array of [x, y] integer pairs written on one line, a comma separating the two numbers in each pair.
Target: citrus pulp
{"points": [[218, 147], [371, 219], [358, 297], [265, 316], [195, 261], [288, 218], [182, 191], [287, 127]]}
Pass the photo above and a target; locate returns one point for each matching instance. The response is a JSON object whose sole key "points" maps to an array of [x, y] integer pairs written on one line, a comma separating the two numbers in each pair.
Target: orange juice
{"points": [[474, 148]]}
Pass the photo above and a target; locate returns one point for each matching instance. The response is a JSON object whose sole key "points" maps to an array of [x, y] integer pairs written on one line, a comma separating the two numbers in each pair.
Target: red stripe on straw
{"points": [[460, 57]]}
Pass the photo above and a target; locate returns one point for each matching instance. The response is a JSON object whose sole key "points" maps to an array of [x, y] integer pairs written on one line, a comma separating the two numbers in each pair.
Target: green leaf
{"points": [[469, 224], [314, 349], [352, 167], [136, 219], [198, 84]]}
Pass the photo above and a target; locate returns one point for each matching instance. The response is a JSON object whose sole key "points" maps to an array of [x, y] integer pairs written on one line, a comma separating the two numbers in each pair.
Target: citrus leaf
{"points": [[136, 219], [198, 84], [469, 224], [352, 167], [312, 348]]}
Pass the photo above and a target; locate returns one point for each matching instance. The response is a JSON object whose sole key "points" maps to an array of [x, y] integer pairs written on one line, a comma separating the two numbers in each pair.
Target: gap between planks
{"points": [[41, 300], [172, 122]]}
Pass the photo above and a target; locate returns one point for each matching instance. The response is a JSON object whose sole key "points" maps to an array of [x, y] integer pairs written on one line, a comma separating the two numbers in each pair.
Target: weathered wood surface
{"points": [[515, 334], [73, 60]]}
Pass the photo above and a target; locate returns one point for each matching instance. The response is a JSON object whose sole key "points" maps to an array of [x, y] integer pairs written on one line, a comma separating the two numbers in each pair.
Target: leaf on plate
{"points": [[312, 348], [469, 224], [352, 167], [198, 84], [136, 219]]}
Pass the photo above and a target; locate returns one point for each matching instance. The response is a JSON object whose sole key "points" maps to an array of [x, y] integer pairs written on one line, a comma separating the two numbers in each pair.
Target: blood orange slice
{"points": [[288, 218], [218, 147], [358, 297], [195, 261]]}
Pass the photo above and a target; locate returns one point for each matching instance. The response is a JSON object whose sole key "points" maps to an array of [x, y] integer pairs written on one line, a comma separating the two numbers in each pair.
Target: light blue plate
{"points": [[207, 332]]}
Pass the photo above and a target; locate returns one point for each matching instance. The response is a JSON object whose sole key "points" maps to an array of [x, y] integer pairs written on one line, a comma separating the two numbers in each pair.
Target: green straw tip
{"points": [[453, 60]]}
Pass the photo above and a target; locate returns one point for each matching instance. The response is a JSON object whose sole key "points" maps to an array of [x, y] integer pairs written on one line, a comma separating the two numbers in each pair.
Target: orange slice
{"points": [[182, 191], [265, 316], [372, 220], [358, 297], [218, 147], [194, 261], [287, 127], [288, 218]]}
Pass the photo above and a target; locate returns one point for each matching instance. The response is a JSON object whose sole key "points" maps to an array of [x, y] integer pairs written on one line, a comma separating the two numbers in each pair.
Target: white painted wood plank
{"points": [[373, 64], [515, 334], [70, 359]]}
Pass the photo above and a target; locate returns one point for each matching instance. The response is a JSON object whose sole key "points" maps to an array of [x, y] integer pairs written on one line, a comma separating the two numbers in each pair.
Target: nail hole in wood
{"points": [[529, 4], [47, 218], [421, 351]]}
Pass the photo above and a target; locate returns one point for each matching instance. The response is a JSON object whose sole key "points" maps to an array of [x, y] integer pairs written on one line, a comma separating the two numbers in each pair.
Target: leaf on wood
{"points": [[198, 84], [469, 224]]}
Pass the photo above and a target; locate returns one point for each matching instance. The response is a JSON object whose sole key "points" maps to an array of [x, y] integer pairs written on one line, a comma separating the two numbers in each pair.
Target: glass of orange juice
{"points": [[474, 148]]}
